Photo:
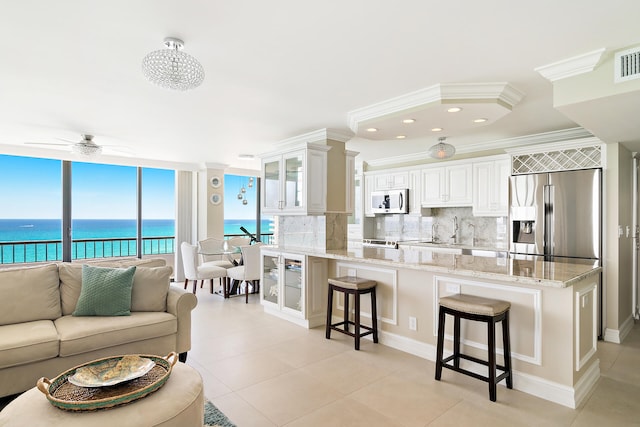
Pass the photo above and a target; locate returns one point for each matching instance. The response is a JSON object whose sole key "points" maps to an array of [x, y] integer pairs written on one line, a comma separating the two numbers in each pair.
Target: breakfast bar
{"points": [[554, 308]]}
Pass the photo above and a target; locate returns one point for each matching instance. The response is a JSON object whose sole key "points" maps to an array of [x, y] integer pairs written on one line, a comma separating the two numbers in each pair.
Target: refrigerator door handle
{"points": [[548, 219]]}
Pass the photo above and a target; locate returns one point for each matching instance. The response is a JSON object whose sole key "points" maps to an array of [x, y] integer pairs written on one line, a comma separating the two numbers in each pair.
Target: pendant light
{"points": [[442, 150]]}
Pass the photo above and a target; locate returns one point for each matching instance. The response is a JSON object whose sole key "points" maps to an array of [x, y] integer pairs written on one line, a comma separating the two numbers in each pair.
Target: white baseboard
{"points": [[617, 336], [571, 397]]}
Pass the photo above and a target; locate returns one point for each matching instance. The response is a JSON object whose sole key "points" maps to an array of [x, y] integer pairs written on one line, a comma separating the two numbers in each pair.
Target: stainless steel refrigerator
{"points": [[557, 215]]}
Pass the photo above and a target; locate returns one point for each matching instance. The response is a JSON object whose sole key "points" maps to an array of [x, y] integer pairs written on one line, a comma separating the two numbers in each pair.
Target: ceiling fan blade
{"points": [[46, 143]]}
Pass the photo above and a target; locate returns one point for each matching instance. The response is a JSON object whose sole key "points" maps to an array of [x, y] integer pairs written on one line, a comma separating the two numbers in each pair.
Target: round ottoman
{"points": [[180, 402]]}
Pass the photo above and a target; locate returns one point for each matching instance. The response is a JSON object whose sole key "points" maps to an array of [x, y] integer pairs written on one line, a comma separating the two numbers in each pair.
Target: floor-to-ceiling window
{"points": [[30, 209], [110, 210], [158, 210], [103, 210]]}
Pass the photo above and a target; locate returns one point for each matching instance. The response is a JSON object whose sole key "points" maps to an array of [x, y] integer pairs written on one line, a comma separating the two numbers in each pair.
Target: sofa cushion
{"points": [[71, 284], [150, 288], [27, 342], [29, 294], [84, 334], [105, 291]]}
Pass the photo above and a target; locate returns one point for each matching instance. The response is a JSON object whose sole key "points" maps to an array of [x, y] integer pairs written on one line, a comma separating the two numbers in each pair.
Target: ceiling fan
{"points": [[85, 147]]}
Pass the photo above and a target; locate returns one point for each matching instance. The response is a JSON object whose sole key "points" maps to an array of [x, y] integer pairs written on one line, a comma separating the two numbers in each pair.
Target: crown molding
{"points": [[319, 135], [573, 66], [446, 93], [509, 145], [213, 165]]}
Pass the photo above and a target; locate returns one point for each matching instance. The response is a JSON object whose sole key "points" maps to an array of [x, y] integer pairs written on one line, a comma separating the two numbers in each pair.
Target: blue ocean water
{"points": [[50, 230], [18, 230]]}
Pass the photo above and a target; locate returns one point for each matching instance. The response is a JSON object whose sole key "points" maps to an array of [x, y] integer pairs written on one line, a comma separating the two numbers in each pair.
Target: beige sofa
{"points": [[39, 336]]}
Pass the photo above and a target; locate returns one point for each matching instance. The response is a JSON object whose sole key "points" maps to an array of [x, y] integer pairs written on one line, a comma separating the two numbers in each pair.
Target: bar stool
{"points": [[479, 309], [356, 287]]}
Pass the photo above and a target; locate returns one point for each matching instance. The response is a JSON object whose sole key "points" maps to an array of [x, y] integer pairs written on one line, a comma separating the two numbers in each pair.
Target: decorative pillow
{"points": [[29, 293], [105, 291], [150, 288]]}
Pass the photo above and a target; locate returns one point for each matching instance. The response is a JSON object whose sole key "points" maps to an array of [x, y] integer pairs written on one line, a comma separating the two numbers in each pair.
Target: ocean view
{"points": [[38, 230]]}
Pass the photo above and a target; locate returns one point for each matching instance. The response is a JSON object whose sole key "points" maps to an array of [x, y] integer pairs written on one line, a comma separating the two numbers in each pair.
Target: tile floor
{"points": [[264, 371]]}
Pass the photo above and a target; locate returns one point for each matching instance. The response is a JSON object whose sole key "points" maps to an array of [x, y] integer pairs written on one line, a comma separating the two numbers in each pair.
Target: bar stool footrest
{"points": [[335, 327], [475, 375]]}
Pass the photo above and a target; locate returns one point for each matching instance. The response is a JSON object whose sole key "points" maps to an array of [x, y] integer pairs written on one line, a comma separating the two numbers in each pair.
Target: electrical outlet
{"points": [[351, 272], [413, 323], [453, 288]]}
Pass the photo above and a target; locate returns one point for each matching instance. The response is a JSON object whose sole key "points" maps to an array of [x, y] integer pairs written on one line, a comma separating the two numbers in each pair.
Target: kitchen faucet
{"points": [[454, 236]]}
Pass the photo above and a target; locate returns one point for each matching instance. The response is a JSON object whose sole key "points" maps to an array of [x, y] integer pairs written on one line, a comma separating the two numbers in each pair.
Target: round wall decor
{"points": [[215, 181], [215, 198]]}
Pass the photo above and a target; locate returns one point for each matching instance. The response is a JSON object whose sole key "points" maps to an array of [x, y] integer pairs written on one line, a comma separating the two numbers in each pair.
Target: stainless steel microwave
{"points": [[390, 201]]}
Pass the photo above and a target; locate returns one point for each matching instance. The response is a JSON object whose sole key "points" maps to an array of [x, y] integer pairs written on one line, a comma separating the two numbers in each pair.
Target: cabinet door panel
{"points": [[483, 187], [459, 183], [432, 185], [270, 279], [292, 284], [293, 182], [271, 187]]}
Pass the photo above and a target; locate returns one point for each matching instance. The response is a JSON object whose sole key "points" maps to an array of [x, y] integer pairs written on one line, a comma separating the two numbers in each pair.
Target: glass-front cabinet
{"points": [[282, 280], [295, 182], [290, 291]]}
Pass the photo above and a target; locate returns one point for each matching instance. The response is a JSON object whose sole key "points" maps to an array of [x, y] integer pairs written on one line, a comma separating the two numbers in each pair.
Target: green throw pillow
{"points": [[105, 291]]}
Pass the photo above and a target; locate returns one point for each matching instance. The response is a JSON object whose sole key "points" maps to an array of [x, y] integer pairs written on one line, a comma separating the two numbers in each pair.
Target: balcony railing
{"points": [[51, 250]]}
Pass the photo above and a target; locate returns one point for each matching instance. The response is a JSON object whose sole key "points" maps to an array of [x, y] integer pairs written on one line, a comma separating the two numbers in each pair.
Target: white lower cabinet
{"points": [[294, 287]]}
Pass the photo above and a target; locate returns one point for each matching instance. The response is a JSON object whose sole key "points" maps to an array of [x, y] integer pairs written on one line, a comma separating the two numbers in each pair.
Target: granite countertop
{"points": [[529, 271]]}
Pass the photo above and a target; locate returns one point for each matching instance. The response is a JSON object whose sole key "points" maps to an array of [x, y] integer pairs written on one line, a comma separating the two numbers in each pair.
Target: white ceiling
{"points": [[281, 68]]}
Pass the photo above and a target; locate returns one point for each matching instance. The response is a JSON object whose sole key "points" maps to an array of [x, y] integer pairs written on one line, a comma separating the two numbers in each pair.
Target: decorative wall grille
{"points": [[560, 160]]}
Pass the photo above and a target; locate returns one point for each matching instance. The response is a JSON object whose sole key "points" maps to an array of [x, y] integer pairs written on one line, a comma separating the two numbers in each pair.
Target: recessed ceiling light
{"points": [[246, 156], [401, 137], [479, 120], [372, 129], [436, 130], [409, 121], [454, 109]]}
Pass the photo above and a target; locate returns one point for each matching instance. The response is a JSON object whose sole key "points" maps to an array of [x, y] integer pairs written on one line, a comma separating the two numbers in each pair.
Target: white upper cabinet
{"points": [[296, 179], [391, 181], [294, 183], [447, 186], [415, 201], [368, 188], [491, 187]]}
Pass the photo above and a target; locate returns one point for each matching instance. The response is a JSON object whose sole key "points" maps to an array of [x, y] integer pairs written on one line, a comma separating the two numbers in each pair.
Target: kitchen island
{"points": [[554, 313]]}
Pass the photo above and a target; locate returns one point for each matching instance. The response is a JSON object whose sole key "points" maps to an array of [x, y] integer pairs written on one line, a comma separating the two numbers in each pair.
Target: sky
{"points": [[31, 188]]}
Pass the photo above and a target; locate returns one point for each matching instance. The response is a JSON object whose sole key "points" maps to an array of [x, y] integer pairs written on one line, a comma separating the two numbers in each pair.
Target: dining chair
{"points": [[212, 253], [238, 242], [195, 272], [249, 272]]}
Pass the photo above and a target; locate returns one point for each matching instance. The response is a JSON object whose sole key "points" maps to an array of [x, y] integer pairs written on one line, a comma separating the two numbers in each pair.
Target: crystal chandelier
{"points": [[442, 150], [171, 68]]}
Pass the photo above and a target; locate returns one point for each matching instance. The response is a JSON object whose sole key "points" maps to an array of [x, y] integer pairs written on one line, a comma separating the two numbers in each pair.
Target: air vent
{"points": [[627, 65]]}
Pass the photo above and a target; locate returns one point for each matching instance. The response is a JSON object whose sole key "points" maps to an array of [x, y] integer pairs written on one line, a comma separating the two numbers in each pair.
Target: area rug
{"points": [[214, 418]]}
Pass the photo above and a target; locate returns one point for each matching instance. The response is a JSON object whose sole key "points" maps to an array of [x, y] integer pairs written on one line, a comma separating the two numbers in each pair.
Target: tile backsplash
{"points": [[476, 231]]}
